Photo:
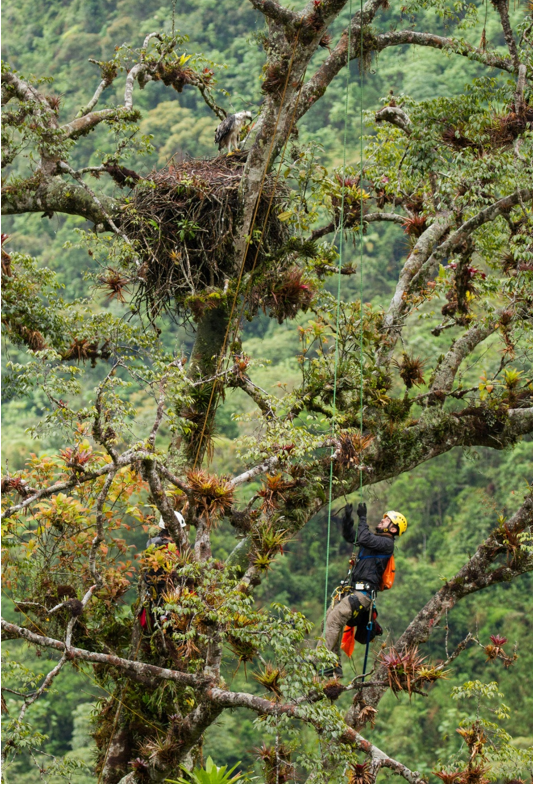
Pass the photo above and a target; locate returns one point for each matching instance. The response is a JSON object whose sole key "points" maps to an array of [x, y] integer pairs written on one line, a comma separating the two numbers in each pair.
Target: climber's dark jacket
{"points": [[369, 566], [161, 539]]}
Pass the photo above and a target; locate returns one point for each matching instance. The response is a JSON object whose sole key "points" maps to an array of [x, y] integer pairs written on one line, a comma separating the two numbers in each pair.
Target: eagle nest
{"points": [[182, 221]]}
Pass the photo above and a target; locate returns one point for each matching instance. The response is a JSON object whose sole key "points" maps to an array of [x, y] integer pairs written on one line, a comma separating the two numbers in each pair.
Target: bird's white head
{"points": [[243, 117]]}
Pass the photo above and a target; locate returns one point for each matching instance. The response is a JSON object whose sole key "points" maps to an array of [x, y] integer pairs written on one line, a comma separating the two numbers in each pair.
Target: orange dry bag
{"points": [[347, 642], [388, 577]]}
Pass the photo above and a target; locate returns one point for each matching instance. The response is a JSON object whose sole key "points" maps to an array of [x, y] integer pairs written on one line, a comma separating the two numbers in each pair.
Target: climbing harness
{"points": [[343, 588]]}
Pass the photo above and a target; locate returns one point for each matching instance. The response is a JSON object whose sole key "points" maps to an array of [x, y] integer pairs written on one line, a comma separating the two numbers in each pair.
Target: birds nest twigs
{"points": [[183, 221]]}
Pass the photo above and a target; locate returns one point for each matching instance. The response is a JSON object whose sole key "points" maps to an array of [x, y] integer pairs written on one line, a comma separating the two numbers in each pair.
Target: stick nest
{"points": [[183, 222]]}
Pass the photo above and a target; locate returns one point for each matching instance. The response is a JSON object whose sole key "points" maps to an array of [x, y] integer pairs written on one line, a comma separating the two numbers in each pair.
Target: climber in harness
{"points": [[352, 614]]}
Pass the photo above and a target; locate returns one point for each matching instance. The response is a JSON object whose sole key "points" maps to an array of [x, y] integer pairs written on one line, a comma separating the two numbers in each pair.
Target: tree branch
{"points": [[396, 116], [502, 8], [94, 100], [53, 195], [399, 37], [163, 504], [126, 458], [99, 537], [519, 98], [273, 10], [369, 218], [242, 381], [250, 474], [459, 237], [412, 266], [347, 735], [137, 670], [445, 372], [81, 125], [337, 59], [14, 87]]}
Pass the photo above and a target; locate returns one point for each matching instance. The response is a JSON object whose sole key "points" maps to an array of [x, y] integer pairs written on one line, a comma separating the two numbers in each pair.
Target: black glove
{"points": [[347, 524], [361, 510], [347, 515]]}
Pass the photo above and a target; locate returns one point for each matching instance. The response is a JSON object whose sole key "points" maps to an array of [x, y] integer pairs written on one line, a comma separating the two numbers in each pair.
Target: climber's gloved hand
{"points": [[347, 524], [361, 510], [347, 519]]}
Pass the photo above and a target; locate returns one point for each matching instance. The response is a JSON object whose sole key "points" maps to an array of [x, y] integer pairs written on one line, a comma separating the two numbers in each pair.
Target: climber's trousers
{"points": [[343, 612]]}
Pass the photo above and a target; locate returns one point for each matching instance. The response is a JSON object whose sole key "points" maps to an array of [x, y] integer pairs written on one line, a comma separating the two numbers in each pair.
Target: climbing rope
{"points": [[370, 621], [338, 308], [361, 236]]}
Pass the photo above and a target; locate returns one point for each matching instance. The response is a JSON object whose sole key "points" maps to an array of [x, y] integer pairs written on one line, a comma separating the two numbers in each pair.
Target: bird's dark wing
{"points": [[224, 128]]}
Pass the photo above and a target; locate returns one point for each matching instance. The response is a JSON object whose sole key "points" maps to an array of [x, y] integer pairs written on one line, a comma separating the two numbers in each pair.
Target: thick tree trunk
{"points": [[206, 361], [119, 752], [209, 340]]}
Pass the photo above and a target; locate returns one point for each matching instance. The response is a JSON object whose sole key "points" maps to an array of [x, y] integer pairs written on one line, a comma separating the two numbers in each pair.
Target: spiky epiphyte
{"points": [[141, 769], [270, 678], [114, 283], [273, 489], [432, 673], [212, 494], [474, 737], [450, 776], [290, 293], [402, 668], [367, 714], [411, 370], [350, 446], [495, 650], [360, 773], [17, 484], [242, 649], [415, 225], [83, 349], [159, 751], [506, 128], [76, 458], [277, 765], [268, 541]]}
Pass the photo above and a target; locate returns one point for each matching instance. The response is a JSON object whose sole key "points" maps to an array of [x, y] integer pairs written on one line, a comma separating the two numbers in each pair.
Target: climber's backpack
{"points": [[388, 576]]}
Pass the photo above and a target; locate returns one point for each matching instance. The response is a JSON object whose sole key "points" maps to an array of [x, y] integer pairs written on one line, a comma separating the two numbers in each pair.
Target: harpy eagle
{"points": [[228, 132]]}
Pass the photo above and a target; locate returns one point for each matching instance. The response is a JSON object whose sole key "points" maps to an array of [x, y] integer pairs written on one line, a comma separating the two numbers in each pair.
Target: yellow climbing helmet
{"points": [[398, 519]]}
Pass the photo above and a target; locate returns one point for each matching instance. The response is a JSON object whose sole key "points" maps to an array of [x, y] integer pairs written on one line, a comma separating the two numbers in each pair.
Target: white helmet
{"points": [[181, 520]]}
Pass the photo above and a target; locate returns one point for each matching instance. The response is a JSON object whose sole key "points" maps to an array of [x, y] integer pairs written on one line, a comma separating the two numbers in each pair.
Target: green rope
{"points": [[361, 235], [336, 350]]}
